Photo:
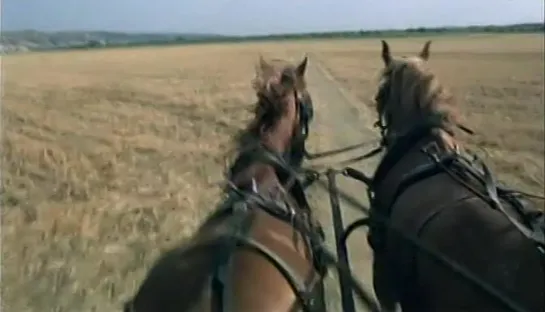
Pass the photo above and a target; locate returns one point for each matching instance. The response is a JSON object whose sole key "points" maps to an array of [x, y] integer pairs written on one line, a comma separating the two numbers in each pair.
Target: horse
{"points": [[257, 250], [445, 235]]}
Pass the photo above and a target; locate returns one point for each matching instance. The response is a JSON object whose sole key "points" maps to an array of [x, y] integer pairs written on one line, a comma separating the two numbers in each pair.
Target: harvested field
{"points": [[110, 156]]}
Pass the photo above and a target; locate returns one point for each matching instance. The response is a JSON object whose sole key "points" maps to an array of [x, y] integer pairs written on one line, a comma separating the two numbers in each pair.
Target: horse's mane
{"points": [[419, 92], [267, 110]]}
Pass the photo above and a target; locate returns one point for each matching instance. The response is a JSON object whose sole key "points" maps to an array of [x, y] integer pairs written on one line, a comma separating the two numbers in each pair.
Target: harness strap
{"points": [[376, 235], [242, 223], [452, 265], [537, 235], [397, 151], [418, 174], [533, 230], [241, 226], [298, 289], [306, 113]]}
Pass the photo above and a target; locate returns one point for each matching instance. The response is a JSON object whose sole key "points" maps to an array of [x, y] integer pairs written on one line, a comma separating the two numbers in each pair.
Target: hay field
{"points": [[111, 156]]}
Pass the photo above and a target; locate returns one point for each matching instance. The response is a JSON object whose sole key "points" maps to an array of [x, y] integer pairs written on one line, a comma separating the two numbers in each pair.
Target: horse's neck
{"points": [[248, 168], [406, 120], [278, 138], [410, 119], [259, 175], [265, 178], [445, 141]]}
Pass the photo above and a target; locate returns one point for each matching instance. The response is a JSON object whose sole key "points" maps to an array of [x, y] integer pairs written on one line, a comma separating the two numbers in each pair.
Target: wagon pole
{"points": [[347, 298]]}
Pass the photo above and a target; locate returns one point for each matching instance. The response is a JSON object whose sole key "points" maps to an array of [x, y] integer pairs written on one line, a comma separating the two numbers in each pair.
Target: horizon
{"points": [[272, 34], [246, 17]]}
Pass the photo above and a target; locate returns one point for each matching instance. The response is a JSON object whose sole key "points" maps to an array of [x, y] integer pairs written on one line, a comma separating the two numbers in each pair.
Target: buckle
{"points": [[433, 150]]}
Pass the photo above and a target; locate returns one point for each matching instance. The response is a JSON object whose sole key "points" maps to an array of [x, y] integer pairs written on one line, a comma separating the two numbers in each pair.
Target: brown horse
{"points": [[446, 236], [256, 252]]}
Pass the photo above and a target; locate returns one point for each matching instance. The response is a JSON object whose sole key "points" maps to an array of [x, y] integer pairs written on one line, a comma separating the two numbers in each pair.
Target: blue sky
{"points": [[260, 16]]}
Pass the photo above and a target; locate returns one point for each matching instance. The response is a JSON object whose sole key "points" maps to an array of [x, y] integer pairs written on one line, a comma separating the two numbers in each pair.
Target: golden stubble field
{"points": [[111, 156]]}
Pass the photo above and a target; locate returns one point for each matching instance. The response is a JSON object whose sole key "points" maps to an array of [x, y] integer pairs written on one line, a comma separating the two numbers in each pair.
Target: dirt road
{"points": [[338, 124]]}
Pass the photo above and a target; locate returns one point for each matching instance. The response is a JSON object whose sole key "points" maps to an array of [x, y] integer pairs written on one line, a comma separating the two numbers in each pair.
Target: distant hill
{"points": [[33, 40], [25, 40]]}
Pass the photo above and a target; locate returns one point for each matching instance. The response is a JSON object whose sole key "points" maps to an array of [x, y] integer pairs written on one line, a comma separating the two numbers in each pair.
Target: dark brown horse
{"points": [[429, 191], [258, 246]]}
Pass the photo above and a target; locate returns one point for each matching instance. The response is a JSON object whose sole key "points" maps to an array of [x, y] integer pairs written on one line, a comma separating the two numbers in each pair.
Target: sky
{"points": [[245, 17]]}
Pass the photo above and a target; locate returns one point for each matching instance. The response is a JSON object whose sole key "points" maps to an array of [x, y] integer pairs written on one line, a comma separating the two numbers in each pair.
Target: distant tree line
{"points": [[517, 28], [106, 39]]}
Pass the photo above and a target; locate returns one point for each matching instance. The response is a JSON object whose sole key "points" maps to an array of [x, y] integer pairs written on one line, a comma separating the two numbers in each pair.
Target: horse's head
{"points": [[266, 70], [277, 123], [282, 98], [410, 95]]}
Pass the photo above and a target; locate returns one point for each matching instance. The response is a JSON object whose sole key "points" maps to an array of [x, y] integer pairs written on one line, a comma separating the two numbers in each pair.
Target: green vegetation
{"points": [[517, 28], [34, 40]]}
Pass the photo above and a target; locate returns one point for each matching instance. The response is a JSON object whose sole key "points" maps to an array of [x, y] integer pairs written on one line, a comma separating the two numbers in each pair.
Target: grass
{"points": [[111, 156]]}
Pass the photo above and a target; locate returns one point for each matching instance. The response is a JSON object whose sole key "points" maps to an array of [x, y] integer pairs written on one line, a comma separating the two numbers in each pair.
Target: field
{"points": [[111, 156], [498, 84]]}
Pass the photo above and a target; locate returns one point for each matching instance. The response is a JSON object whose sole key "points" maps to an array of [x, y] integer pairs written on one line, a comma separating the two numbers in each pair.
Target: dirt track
{"points": [[339, 123]]}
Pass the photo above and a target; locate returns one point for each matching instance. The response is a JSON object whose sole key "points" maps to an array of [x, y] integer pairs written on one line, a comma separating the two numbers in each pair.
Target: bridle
{"points": [[384, 118], [296, 151], [304, 111]]}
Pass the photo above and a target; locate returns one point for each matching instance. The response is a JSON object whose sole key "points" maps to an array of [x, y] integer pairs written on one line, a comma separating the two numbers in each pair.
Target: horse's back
{"points": [[177, 282], [264, 287], [467, 230]]}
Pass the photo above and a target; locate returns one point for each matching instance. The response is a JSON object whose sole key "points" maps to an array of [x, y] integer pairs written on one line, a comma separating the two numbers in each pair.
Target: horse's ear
{"points": [[425, 53], [302, 67], [386, 55]]}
